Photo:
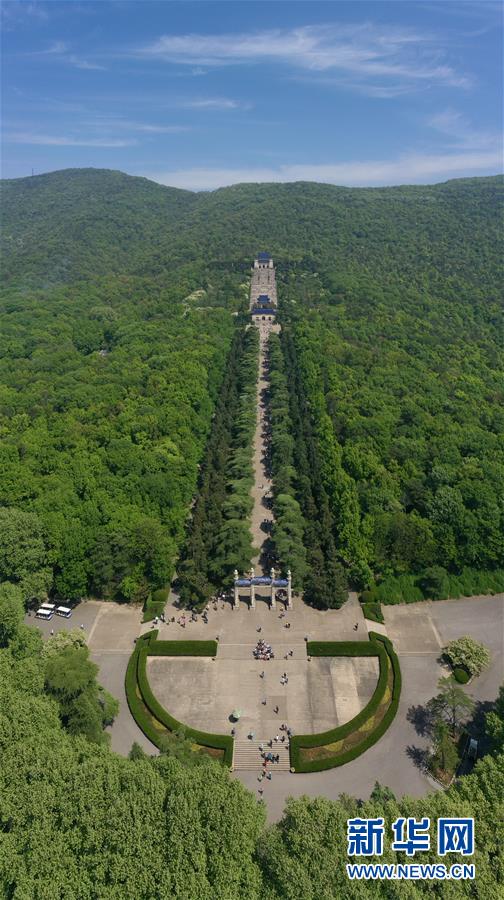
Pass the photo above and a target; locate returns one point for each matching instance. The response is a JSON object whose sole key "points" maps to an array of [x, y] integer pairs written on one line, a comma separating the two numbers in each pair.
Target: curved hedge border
{"points": [[379, 646], [144, 706]]}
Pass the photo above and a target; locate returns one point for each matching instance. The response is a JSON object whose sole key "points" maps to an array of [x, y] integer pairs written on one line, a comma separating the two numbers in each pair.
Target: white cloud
{"points": [[365, 51], [57, 47], [79, 63], [18, 12], [454, 125], [60, 52], [408, 169], [210, 103], [65, 140], [156, 129], [115, 123]]}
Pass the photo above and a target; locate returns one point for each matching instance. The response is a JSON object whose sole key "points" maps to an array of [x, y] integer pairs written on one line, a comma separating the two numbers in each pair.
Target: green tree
{"points": [[494, 724], [444, 755], [137, 752], [11, 612], [435, 583], [468, 653], [63, 640], [452, 705], [85, 707]]}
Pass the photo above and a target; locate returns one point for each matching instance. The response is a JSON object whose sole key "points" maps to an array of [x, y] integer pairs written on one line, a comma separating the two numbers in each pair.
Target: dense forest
{"points": [[125, 392], [304, 532], [219, 538], [405, 395], [117, 318], [108, 388]]}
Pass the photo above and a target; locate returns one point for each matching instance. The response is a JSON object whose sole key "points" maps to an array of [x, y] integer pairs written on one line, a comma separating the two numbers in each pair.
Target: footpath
{"points": [[262, 513]]}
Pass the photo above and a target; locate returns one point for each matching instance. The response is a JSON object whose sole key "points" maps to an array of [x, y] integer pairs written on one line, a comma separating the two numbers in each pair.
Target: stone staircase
{"points": [[247, 756]]}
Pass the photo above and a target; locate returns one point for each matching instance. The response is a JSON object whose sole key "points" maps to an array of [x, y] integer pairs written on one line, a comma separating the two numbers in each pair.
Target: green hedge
{"points": [[414, 588], [342, 648], [350, 648], [136, 706], [373, 612], [136, 674], [152, 609], [384, 650], [156, 603], [215, 741], [182, 648], [461, 675]]}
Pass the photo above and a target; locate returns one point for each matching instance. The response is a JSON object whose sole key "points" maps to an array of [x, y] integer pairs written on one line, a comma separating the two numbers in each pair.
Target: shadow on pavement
{"points": [[421, 719]]}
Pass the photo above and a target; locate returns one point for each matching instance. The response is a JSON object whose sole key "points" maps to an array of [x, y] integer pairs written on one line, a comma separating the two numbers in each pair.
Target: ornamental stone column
{"points": [[273, 601], [289, 589], [236, 590], [252, 588]]}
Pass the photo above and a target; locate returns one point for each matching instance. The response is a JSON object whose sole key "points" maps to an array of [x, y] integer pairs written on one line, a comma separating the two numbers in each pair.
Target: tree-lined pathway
{"points": [[262, 514]]}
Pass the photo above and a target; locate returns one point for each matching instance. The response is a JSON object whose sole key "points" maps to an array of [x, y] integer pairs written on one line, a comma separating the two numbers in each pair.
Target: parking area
{"points": [[84, 614]]}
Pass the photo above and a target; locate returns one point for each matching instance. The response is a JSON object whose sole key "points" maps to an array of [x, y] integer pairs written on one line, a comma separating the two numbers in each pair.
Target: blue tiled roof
{"points": [[264, 257], [257, 311], [262, 580]]}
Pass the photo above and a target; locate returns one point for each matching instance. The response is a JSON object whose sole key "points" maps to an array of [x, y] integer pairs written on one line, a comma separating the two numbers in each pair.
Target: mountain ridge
{"points": [[81, 223]]}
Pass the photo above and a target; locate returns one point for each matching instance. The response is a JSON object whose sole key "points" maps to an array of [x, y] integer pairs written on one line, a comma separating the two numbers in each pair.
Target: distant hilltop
{"points": [[79, 223]]}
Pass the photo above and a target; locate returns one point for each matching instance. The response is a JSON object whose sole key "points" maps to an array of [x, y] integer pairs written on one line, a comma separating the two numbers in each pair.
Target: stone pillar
{"points": [[236, 589], [289, 589], [252, 589], [273, 601]]}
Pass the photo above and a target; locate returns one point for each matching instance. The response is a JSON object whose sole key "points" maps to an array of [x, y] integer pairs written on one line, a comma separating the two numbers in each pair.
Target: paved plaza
{"points": [[318, 695]]}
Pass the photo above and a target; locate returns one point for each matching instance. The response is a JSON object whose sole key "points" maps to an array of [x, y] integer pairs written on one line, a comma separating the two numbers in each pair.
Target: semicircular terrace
{"points": [[319, 694]]}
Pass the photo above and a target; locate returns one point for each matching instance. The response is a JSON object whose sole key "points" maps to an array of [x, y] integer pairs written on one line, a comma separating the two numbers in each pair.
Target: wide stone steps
{"points": [[247, 756]]}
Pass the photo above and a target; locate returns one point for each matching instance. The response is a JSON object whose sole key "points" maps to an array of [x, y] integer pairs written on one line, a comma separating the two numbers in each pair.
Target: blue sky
{"points": [[200, 95]]}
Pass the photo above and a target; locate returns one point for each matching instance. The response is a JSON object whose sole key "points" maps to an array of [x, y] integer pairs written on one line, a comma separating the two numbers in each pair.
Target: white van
{"points": [[51, 606], [46, 614], [64, 611]]}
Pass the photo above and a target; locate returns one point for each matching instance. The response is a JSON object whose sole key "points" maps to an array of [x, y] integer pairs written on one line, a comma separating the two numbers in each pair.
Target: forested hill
{"points": [[78, 223], [116, 324]]}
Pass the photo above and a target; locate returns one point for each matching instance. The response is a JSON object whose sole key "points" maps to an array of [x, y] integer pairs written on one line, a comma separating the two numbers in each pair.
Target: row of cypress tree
{"points": [[219, 538], [302, 506]]}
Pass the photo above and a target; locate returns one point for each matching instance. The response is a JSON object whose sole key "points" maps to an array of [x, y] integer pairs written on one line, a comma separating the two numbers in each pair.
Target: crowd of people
{"points": [[262, 650], [268, 757]]}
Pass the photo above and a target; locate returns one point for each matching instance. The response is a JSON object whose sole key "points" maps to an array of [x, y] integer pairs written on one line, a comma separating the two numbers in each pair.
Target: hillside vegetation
{"points": [[116, 323], [125, 394]]}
